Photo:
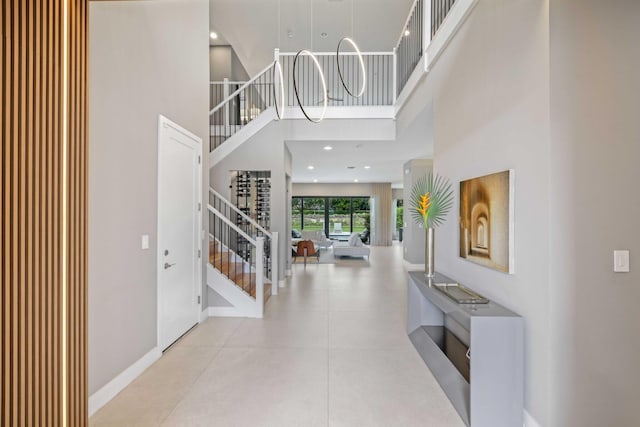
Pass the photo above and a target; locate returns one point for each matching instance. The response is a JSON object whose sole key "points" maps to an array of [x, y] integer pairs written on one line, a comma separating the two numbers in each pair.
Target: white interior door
{"points": [[179, 224]]}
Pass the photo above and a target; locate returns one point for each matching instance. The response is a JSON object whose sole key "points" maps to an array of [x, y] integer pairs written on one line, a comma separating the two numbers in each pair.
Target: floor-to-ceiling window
{"points": [[338, 217], [313, 213], [361, 213]]}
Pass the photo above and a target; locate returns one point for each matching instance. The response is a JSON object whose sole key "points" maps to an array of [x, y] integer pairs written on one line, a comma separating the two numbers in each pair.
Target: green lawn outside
{"points": [[315, 222]]}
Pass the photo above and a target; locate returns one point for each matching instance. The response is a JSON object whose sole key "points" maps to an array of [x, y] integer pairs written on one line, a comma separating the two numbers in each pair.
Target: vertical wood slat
{"points": [[4, 220], [31, 219]]}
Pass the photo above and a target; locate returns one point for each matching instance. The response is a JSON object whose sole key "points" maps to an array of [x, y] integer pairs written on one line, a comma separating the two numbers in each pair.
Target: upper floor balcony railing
{"points": [[235, 104], [423, 22], [378, 88], [387, 74]]}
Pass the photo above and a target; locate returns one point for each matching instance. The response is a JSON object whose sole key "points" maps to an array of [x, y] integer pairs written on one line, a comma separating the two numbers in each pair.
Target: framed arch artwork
{"points": [[486, 220]]}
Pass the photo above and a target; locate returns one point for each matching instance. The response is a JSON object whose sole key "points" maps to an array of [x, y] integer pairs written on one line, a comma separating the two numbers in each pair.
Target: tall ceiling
{"points": [[254, 28]]}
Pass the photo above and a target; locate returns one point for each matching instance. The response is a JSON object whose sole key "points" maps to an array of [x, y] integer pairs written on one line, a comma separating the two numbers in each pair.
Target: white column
{"points": [[275, 263], [225, 95], [260, 277]]}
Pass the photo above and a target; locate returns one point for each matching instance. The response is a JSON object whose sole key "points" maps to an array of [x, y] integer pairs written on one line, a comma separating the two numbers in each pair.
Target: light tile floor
{"points": [[331, 350]]}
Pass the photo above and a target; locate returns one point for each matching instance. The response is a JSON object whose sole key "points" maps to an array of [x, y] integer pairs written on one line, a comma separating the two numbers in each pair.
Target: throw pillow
{"points": [[352, 239]]}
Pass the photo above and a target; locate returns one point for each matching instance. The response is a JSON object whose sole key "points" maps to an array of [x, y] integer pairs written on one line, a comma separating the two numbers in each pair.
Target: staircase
{"points": [[226, 262], [242, 267]]}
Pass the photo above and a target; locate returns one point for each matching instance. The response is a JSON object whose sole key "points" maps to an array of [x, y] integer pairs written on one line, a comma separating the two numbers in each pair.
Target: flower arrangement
{"points": [[431, 200]]}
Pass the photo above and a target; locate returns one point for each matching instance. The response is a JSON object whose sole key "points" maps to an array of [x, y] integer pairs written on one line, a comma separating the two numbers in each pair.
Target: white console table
{"points": [[494, 394]]}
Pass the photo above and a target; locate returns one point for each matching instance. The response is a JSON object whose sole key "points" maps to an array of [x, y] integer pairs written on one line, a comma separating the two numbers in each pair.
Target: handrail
{"points": [[242, 214], [341, 53], [221, 82], [237, 229], [231, 82], [406, 22], [240, 89]]}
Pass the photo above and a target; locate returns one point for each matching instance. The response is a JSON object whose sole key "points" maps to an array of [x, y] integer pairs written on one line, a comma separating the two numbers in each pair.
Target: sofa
{"points": [[351, 248], [317, 237]]}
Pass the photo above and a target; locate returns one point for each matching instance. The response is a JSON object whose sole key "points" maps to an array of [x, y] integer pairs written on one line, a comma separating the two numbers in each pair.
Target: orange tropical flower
{"points": [[431, 200], [424, 205]]}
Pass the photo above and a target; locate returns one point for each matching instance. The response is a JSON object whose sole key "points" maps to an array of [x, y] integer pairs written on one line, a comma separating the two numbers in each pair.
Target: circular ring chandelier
{"points": [[277, 67], [322, 80], [364, 75]]}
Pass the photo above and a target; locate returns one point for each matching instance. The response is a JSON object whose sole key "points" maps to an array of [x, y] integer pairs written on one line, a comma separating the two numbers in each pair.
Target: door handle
{"points": [[167, 265]]}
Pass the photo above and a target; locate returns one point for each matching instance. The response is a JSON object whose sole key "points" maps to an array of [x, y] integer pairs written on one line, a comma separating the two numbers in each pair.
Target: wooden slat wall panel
{"points": [[77, 208], [32, 221]]}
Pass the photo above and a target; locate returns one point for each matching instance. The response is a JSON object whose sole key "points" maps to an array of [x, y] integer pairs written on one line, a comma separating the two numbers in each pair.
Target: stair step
{"points": [[247, 282], [223, 261], [230, 269]]}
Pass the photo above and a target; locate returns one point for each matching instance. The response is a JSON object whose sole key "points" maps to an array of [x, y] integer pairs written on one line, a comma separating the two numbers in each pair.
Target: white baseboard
{"points": [[529, 421], [224, 312], [101, 397]]}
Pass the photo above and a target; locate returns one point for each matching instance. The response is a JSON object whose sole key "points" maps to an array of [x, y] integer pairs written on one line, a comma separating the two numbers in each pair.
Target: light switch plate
{"points": [[145, 241], [621, 261]]}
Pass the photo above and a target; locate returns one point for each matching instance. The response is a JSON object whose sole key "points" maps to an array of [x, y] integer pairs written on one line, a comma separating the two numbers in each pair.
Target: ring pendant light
{"points": [[322, 80], [279, 111], [362, 69]]}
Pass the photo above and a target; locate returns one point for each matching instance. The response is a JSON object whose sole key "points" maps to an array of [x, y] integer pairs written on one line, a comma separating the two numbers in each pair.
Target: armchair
{"points": [[306, 248]]}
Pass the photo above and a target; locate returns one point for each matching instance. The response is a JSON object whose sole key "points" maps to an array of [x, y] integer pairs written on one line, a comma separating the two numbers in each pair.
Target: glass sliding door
{"points": [[313, 213], [361, 217], [296, 215], [339, 217]]}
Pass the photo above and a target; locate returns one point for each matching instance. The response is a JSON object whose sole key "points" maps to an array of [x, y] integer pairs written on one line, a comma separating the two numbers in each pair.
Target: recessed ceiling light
{"points": [[315, 180], [290, 34], [311, 167], [406, 33], [367, 167], [351, 167], [355, 180], [213, 35], [328, 147], [323, 35]]}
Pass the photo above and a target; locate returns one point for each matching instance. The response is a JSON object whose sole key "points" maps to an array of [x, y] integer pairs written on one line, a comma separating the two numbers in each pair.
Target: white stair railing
{"points": [[237, 231], [240, 107]]}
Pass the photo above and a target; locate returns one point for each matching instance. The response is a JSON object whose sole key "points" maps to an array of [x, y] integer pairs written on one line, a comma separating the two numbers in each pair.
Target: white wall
{"points": [[594, 209], [491, 113], [224, 63], [146, 58]]}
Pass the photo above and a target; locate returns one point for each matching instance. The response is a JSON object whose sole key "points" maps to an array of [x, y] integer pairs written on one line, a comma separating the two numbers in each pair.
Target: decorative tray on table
{"points": [[460, 294]]}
